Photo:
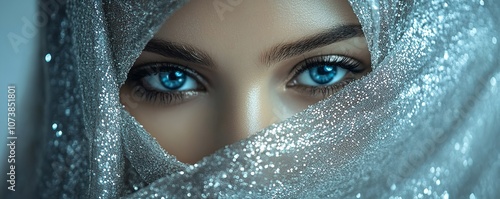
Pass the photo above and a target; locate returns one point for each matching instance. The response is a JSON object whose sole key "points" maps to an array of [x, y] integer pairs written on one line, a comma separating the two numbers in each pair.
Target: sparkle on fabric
{"points": [[415, 127], [48, 57]]}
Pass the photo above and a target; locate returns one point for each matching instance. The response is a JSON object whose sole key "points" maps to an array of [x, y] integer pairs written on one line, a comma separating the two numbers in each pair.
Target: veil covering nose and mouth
{"points": [[424, 122]]}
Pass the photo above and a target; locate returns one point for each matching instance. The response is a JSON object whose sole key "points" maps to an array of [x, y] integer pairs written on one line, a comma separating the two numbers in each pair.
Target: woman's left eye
{"points": [[171, 80], [321, 75], [325, 74]]}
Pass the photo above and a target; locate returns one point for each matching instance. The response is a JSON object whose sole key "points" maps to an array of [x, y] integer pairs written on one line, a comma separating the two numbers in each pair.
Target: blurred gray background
{"points": [[20, 66]]}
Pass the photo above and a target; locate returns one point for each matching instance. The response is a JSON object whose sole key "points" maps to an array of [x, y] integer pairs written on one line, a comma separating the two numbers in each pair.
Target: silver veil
{"points": [[423, 123]]}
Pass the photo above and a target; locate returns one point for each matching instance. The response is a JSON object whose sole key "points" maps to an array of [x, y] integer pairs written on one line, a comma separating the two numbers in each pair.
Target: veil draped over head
{"points": [[423, 123]]}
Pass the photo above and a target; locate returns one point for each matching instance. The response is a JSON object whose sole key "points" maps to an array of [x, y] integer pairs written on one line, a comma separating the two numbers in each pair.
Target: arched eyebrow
{"points": [[286, 50], [277, 53], [183, 52]]}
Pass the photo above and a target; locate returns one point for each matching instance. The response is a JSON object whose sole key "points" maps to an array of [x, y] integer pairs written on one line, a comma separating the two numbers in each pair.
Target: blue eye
{"points": [[322, 74], [171, 80]]}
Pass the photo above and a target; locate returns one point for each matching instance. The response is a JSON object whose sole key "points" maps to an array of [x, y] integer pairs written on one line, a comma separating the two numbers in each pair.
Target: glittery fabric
{"points": [[422, 124], [91, 44]]}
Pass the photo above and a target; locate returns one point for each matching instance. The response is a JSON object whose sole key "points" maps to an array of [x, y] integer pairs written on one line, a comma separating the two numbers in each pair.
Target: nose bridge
{"points": [[254, 116], [248, 111]]}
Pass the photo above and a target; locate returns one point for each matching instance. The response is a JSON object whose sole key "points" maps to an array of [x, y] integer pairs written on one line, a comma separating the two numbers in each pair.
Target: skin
{"points": [[243, 93]]}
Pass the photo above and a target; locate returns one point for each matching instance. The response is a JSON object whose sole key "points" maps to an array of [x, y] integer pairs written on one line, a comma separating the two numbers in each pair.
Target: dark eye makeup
{"points": [[170, 83], [324, 75], [164, 83]]}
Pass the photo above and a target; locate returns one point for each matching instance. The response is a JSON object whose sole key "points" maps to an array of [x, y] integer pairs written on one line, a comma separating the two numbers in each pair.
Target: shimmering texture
{"points": [[422, 124], [48, 57]]}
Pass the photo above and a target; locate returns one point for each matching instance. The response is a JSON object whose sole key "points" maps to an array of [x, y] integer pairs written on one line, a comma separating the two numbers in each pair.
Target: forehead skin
{"points": [[252, 26]]}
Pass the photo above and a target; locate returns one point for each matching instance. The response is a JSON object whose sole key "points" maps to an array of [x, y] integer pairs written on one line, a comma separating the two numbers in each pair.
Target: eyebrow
{"points": [[277, 53], [178, 51], [286, 50]]}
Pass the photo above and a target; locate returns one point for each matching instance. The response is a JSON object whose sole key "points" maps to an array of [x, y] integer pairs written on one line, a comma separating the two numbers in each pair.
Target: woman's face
{"points": [[218, 71]]}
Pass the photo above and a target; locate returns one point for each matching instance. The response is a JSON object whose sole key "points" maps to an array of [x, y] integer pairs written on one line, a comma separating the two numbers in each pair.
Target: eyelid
{"points": [[345, 62], [160, 98], [141, 71], [155, 97], [324, 91]]}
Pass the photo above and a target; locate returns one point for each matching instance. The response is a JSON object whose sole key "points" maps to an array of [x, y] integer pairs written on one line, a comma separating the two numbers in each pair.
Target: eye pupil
{"points": [[322, 74], [172, 79]]}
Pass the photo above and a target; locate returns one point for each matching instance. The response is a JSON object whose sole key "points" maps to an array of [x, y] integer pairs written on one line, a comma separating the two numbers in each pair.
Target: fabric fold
{"points": [[423, 123]]}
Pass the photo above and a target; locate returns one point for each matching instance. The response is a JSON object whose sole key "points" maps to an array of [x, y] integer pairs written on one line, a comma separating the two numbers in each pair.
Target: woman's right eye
{"points": [[164, 83], [170, 80]]}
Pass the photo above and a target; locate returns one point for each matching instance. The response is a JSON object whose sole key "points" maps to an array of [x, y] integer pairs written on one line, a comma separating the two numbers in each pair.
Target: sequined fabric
{"points": [[422, 124]]}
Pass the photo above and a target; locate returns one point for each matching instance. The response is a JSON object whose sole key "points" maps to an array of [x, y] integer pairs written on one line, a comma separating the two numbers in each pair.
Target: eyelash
{"points": [[347, 63], [140, 90]]}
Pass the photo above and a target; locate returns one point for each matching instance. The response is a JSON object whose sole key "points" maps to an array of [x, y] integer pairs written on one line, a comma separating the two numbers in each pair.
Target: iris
{"points": [[322, 74], [173, 79]]}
